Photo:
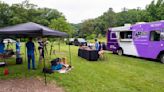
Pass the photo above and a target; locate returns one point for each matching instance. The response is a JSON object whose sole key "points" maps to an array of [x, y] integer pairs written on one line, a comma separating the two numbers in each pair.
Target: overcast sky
{"points": [[79, 10]]}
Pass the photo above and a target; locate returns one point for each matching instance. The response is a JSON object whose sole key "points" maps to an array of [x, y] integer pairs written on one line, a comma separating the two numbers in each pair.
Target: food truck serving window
{"points": [[126, 35], [155, 35], [162, 35]]}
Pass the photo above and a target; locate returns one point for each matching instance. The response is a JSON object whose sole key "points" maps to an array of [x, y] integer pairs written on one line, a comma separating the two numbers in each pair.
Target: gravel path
{"points": [[27, 85]]}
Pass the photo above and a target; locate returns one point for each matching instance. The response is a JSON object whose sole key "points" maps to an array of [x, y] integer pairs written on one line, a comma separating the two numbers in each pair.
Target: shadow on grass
{"points": [[130, 56]]}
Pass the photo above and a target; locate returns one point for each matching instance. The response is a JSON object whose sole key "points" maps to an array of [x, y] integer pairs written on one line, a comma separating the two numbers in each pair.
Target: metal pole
{"points": [[25, 49], [44, 62], [59, 44], [51, 48], [45, 76], [70, 53]]}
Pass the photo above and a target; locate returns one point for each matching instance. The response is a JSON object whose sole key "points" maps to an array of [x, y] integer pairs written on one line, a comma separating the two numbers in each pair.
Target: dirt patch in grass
{"points": [[27, 85]]}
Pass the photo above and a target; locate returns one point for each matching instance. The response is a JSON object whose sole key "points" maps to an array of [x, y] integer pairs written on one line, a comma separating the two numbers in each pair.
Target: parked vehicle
{"points": [[76, 41], [70, 41], [80, 41], [8, 40], [142, 40]]}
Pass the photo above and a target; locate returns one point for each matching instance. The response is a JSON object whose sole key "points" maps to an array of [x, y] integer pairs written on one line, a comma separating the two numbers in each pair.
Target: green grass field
{"points": [[114, 74]]}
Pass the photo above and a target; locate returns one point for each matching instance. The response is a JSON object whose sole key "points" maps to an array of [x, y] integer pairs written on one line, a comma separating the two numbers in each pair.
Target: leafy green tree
{"points": [[109, 18], [99, 25], [86, 28], [27, 12], [61, 25], [5, 14], [156, 10]]}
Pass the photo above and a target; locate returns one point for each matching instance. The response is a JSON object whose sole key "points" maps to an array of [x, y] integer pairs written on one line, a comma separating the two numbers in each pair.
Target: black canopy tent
{"points": [[31, 29]]}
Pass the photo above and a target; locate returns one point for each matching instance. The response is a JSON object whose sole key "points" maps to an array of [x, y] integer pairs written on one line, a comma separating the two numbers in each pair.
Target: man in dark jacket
{"points": [[30, 53]]}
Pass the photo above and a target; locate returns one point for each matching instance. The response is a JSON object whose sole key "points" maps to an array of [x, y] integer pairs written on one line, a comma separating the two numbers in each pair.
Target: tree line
{"points": [[27, 12], [93, 28]]}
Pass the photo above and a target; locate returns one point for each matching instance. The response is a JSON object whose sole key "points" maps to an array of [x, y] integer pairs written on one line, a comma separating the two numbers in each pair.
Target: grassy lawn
{"points": [[115, 74]]}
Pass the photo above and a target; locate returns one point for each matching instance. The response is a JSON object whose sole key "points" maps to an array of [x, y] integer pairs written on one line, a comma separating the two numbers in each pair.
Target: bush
{"points": [[92, 36]]}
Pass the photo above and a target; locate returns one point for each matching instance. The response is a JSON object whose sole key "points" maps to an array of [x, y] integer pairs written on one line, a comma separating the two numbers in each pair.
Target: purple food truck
{"points": [[141, 40]]}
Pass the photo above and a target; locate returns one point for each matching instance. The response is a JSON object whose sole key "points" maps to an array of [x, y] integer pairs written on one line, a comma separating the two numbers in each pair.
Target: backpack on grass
{"points": [[46, 70], [54, 61]]}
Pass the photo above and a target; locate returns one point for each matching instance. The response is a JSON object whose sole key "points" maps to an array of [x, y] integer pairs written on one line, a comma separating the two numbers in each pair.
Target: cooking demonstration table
{"points": [[91, 55]]}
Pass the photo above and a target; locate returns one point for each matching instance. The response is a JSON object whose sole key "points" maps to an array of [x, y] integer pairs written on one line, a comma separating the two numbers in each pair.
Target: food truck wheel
{"points": [[120, 52], [161, 58]]}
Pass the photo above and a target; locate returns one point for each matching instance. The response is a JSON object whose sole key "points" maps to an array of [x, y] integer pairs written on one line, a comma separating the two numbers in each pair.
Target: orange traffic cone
{"points": [[6, 71]]}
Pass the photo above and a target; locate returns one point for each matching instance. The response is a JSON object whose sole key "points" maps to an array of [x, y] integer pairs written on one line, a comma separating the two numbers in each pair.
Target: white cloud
{"points": [[78, 10]]}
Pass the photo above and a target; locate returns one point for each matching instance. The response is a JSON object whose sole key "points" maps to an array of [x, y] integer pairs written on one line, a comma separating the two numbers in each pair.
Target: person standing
{"points": [[41, 50], [96, 45], [2, 47], [18, 45], [30, 53]]}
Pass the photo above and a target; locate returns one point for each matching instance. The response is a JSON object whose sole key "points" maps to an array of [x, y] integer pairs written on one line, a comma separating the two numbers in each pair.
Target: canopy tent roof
{"points": [[30, 29]]}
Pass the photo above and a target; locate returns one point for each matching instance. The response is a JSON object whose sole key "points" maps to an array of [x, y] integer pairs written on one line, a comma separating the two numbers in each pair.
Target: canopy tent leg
{"points": [[45, 76], [44, 64], [25, 54], [25, 50], [70, 58], [59, 44], [51, 48], [46, 50], [36, 54]]}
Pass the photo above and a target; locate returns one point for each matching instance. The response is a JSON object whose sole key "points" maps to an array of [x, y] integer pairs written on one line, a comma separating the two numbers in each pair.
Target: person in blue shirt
{"points": [[18, 48], [96, 44], [30, 53], [2, 47], [59, 65]]}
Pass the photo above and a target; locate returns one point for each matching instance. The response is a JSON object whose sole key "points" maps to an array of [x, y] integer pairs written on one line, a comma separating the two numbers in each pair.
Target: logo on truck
{"points": [[141, 34]]}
